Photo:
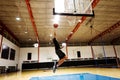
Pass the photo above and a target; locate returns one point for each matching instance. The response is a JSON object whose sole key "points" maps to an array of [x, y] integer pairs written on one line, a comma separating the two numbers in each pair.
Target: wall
{"points": [[24, 52], [84, 50], [48, 53], [0, 42], [109, 51], [7, 62], [103, 51], [118, 50]]}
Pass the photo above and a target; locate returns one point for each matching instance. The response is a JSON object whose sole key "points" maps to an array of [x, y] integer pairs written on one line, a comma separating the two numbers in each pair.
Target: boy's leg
{"points": [[62, 57], [61, 61], [55, 66]]}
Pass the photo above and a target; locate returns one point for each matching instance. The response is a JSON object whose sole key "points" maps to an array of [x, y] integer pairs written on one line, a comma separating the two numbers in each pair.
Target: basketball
{"points": [[55, 25]]}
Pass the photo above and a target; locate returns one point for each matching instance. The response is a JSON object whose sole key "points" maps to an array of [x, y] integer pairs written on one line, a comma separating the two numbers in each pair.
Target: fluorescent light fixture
{"points": [[59, 6], [18, 18], [36, 45]]}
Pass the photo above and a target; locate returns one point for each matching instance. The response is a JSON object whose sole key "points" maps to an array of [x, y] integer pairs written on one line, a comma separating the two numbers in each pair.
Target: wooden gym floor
{"points": [[27, 74]]}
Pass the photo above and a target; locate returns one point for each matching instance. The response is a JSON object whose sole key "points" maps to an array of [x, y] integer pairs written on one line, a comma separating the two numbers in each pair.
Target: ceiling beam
{"points": [[75, 29], [32, 19], [95, 2], [4, 27], [116, 25], [34, 26]]}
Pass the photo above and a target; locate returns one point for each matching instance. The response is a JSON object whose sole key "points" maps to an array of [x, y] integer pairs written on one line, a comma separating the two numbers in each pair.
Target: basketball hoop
{"points": [[73, 8]]}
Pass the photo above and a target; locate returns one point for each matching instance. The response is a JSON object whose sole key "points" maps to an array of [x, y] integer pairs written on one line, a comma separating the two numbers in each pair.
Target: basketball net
{"points": [[71, 20], [79, 7], [88, 8]]}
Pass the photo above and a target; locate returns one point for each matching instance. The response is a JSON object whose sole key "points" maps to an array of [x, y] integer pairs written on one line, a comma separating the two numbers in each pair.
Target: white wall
{"points": [[109, 51], [47, 54], [7, 62], [118, 50], [0, 39], [84, 50], [0, 45], [103, 51], [98, 51], [25, 51], [72, 51]]}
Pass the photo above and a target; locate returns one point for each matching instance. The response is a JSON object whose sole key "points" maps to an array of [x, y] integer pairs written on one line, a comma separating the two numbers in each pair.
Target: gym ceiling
{"points": [[36, 24]]}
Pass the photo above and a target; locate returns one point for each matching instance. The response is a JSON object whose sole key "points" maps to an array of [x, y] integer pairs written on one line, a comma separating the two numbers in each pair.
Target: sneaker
{"points": [[54, 67]]}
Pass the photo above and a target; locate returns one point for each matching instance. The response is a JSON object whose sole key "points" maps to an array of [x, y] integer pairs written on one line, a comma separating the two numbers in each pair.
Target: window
{"points": [[12, 54], [78, 54], [5, 51], [29, 56]]}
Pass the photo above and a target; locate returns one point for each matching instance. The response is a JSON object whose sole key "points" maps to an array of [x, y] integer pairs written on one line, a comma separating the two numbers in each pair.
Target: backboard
{"points": [[73, 7]]}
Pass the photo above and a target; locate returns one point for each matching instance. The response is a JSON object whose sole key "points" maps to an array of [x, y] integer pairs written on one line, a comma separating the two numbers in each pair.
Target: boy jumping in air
{"points": [[59, 53]]}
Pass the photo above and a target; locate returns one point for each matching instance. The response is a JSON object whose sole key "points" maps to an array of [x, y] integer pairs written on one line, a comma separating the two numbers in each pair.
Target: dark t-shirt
{"points": [[57, 49], [57, 46]]}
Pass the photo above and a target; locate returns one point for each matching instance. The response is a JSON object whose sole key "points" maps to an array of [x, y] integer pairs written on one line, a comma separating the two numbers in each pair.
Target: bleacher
{"points": [[3, 69], [78, 62]]}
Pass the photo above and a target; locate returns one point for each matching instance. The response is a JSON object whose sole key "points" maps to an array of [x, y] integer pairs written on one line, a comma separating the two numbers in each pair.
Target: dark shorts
{"points": [[60, 54]]}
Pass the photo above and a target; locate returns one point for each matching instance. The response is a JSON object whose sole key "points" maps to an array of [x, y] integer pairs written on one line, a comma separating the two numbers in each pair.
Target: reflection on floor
{"points": [[26, 75]]}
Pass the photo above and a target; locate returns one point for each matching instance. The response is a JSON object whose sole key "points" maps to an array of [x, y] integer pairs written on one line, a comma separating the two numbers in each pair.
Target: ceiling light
{"points": [[51, 35], [4, 46], [26, 32], [29, 39], [36, 45], [18, 18]]}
